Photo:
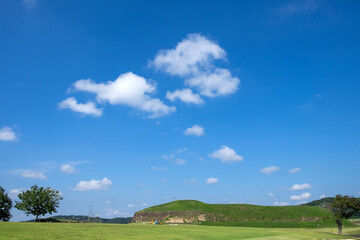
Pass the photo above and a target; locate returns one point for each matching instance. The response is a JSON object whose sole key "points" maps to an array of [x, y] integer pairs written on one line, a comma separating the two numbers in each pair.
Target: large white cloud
{"points": [[212, 180], [128, 89], [29, 173], [7, 134], [195, 130], [226, 154], [193, 59], [186, 95], [96, 185], [300, 187], [84, 108], [302, 196], [269, 170]]}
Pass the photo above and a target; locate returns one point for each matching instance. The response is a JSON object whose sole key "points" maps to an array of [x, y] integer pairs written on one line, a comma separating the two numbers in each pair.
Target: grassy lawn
{"points": [[38, 231]]}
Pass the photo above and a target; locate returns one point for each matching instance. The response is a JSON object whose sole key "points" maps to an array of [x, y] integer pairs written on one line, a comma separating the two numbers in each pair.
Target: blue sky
{"points": [[124, 105]]}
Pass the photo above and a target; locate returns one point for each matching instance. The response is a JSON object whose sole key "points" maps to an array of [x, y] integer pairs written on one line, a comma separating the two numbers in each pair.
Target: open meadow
{"points": [[38, 231]]}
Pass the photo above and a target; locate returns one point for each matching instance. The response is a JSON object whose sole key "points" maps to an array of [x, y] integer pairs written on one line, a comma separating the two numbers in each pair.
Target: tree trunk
{"points": [[339, 223], [37, 218]]}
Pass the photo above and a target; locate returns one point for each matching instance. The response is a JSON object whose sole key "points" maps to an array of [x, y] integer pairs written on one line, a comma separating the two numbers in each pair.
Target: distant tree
{"points": [[5, 206], [38, 201], [344, 207]]}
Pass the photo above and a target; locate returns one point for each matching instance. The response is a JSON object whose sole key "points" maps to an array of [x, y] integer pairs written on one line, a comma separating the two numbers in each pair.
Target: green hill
{"points": [[196, 212], [326, 203]]}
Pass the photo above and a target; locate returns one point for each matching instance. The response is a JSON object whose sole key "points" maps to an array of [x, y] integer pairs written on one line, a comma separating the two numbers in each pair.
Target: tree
{"points": [[5, 206], [344, 207], [38, 201]]}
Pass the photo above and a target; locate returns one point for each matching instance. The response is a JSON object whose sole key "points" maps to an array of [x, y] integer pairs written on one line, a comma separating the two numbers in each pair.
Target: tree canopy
{"points": [[39, 201], [344, 207], [5, 206]]}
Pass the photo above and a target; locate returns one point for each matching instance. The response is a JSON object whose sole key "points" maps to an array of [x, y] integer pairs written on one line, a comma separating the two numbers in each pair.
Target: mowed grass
{"points": [[38, 231]]}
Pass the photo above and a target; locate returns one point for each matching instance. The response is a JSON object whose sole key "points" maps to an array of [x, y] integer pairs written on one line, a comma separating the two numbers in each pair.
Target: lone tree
{"points": [[38, 201], [344, 207], [5, 206]]}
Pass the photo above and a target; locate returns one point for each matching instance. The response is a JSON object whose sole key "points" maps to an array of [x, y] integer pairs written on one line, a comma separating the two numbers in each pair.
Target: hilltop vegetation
{"points": [[197, 212]]}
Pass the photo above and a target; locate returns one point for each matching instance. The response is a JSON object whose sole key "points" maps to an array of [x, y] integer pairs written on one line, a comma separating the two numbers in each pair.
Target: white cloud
{"points": [[190, 56], [107, 201], [277, 203], [84, 108], [169, 156], [193, 59], [271, 195], [97, 185], [131, 205], [322, 196], [220, 82], [300, 187], [301, 197], [7, 134], [269, 170], [226, 154], [13, 193], [29, 173], [195, 130], [212, 180], [141, 184], [128, 89], [67, 168], [186, 95], [158, 168], [295, 170], [143, 204], [179, 161]]}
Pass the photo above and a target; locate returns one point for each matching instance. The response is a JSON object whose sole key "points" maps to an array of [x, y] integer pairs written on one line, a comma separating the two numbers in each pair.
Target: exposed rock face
{"points": [[168, 217]]}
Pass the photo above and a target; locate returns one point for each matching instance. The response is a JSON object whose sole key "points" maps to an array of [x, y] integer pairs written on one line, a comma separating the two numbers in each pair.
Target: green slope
{"points": [[251, 215]]}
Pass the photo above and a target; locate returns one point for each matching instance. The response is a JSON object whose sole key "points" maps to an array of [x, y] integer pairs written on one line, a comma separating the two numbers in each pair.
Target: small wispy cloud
{"points": [[30, 173], [277, 203], [296, 8], [29, 4], [93, 185], [294, 170], [212, 180], [301, 196], [158, 168], [297, 187], [179, 161], [195, 130], [269, 170]]}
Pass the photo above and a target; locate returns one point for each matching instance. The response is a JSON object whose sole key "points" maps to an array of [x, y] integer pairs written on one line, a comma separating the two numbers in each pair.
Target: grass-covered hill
{"points": [[326, 203], [196, 212]]}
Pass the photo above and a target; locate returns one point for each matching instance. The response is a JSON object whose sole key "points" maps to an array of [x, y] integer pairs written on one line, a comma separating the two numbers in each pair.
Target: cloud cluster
{"points": [[195, 130], [226, 154], [277, 203], [300, 187], [7, 134], [301, 196], [93, 185], [193, 59], [128, 89], [269, 170]]}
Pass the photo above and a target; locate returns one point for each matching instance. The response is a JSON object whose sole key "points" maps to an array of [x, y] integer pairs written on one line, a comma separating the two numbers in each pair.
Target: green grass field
{"points": [[39, 231]]}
